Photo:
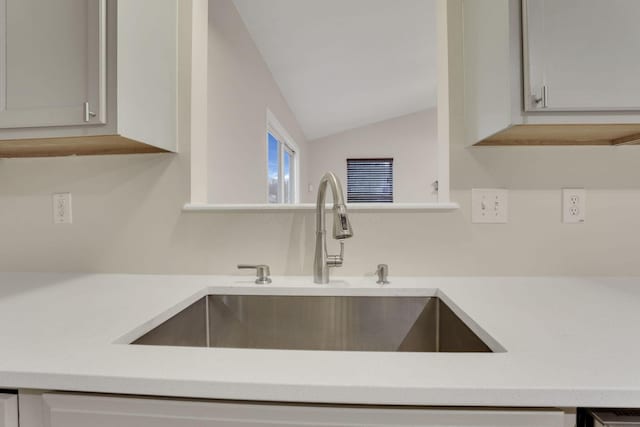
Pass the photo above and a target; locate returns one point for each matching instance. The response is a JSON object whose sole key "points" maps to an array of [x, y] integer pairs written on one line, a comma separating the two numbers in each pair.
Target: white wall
{"points": [[241, 88], [411, 140], [128, 218]]}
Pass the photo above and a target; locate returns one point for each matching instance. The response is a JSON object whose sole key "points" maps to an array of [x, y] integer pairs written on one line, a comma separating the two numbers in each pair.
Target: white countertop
{"points": [[569, 342]]}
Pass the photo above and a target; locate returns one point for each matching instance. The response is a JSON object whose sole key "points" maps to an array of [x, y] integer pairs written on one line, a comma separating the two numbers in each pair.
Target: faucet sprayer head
{"points": [[341, 224]]}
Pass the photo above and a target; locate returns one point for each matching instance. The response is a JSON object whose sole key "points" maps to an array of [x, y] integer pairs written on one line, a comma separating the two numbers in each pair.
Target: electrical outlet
{"points": [[574, 205], [62, 208], [489, 206]]}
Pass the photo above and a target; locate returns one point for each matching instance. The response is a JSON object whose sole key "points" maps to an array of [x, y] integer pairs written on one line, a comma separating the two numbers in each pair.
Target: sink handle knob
{"points": [[383, 273], [262, 272], [336, 260]]}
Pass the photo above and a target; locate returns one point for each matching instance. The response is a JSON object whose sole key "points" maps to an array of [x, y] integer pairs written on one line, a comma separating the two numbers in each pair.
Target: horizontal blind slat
{"points": [[370, 180]]}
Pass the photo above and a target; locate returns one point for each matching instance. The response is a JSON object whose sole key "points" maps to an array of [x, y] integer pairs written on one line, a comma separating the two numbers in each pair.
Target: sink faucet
{"points": [[341, 228]]}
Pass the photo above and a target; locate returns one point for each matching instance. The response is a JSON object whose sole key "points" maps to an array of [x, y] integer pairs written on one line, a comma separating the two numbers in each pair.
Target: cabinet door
{"points": [[52, 62], [8, 410], [68, 410], [581, 55]]}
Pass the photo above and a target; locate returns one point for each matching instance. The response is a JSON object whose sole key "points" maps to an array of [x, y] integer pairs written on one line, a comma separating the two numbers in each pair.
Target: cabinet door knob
{"points": [[542, 100], [88, 114]]}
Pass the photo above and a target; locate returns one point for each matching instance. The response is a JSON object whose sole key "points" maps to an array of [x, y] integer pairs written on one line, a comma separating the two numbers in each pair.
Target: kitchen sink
{"points": [[339, 323]]}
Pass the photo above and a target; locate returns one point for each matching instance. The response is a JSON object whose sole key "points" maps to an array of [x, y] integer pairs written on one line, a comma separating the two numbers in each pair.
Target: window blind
{"points": [[370, 180]]}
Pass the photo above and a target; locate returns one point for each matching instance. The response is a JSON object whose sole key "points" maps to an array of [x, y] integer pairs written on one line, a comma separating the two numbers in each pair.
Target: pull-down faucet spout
{"points": [[341, 228]]}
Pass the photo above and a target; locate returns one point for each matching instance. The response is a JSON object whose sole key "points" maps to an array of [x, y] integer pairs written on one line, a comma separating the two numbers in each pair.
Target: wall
{"points": [[411, 140], [128, 219], [241, 88]]}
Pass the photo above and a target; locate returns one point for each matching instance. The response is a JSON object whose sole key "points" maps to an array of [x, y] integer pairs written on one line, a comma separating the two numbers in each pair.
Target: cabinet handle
{"points": [[541, 102], [88, 114]]}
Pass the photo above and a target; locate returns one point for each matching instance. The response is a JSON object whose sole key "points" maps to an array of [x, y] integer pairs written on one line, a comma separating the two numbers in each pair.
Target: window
{"points": [[281, 170], [282, 163], [370, 180]]}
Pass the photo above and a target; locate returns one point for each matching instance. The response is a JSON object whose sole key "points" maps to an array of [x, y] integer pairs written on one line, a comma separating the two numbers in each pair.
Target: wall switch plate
{"points": [[62, 208], [489, 206], [574, 205]]}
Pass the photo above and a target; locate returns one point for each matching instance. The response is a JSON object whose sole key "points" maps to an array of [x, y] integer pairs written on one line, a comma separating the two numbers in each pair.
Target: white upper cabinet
{"points": [[581, 55], [148, 68], [52, 63], [548, 72], [91, 76]]}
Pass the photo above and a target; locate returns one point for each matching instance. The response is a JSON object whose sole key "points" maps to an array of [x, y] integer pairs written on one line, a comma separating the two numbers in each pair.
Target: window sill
{"points": [[359, 207]]}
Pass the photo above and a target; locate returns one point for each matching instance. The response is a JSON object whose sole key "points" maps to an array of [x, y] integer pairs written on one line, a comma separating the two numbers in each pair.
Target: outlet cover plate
{"points": [[62, 208], [574, 205], [489, 206]]}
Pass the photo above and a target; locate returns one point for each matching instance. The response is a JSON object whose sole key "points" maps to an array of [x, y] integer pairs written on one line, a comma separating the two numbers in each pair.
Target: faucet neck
{"points": [[338, 198]]}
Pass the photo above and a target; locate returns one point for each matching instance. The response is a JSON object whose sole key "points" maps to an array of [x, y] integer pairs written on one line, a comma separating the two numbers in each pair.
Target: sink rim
{"points": [[169, 312]]}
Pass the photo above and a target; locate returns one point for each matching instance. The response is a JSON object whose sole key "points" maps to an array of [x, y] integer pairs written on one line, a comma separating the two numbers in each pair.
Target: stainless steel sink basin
{"points": [[348, 323]]}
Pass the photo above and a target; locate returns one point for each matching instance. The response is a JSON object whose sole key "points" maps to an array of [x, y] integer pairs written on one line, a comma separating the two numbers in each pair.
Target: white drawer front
{"points": [[65, 410], [8, 410]]}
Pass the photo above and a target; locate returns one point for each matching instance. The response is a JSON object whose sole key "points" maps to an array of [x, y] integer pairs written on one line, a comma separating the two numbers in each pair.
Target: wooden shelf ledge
{"points": [[78, 146], [566, 134]]}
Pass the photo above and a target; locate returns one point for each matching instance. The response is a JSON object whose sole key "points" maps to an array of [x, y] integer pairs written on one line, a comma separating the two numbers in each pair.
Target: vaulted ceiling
{"points": [[342, 64]]}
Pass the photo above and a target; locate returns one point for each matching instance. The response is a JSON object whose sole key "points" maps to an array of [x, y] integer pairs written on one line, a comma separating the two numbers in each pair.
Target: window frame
{"points": [[285, 143]]}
